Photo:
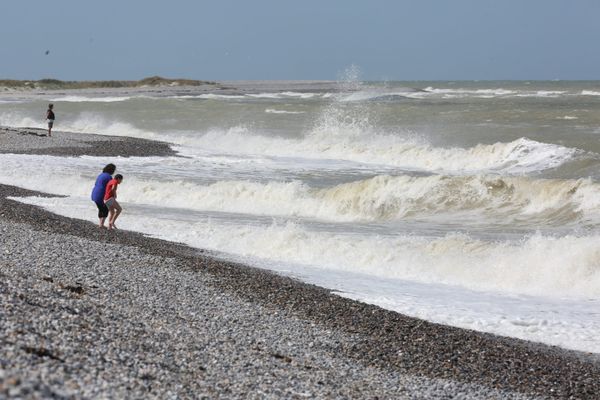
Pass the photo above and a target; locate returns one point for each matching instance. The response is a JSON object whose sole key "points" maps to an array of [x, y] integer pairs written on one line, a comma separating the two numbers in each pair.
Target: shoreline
{"points": [[221, 87], [370, 336], [36, 141]]}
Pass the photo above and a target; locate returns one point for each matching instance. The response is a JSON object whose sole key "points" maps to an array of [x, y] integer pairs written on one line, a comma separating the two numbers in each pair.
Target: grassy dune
{"points": [[58, 84]]}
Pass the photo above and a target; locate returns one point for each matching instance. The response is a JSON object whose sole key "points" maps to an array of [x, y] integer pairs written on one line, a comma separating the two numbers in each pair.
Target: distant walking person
{"points": [[100, 189], [110, 199], [50, 118]]}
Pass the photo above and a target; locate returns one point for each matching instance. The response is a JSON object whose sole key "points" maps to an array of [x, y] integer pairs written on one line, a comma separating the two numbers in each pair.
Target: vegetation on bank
{"points": [[58, 84]]}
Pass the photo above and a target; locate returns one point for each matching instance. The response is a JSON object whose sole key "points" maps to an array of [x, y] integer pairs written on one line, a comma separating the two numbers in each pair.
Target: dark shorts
{"points": [[50, 123], [102, 209]]}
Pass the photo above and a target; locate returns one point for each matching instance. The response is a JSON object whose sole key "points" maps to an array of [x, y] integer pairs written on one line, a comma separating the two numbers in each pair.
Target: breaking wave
{"points": [[510, 200], [519, 156], [567, 266], [349, 142]]}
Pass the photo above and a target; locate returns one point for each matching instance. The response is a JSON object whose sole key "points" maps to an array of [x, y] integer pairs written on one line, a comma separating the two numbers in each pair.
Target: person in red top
{"points": [[110, 200]]}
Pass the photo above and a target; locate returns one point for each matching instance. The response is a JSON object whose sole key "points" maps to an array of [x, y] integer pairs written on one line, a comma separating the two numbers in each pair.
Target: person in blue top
{"points": [[99, 189]]}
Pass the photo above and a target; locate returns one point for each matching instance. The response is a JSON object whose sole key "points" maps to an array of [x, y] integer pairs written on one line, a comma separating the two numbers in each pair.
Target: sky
{"points": [[307, 39]]}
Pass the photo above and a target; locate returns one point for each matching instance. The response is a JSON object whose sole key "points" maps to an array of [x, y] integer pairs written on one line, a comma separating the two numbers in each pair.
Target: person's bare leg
{"points": [[111, 212], [116, 214], [102, 222]]}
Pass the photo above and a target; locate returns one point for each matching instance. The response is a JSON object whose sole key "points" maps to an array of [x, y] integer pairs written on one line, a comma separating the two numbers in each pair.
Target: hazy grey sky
{"points": [[279, 39]]}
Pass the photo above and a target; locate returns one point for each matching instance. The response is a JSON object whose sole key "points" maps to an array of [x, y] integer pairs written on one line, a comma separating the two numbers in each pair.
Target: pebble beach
{"points": [[88, 313]]}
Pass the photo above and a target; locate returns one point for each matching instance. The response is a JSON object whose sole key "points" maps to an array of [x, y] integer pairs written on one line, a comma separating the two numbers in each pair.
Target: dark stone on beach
{"points": [[41, 352], [77, 289]]}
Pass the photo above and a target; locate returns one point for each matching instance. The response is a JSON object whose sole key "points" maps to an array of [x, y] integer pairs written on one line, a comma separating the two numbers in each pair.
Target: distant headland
{"points": [[58, 84]]}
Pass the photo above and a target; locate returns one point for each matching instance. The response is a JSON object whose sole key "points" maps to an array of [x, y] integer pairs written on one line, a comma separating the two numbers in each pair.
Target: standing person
{"points": [[99, 190], [50, 118], [110, 199]]}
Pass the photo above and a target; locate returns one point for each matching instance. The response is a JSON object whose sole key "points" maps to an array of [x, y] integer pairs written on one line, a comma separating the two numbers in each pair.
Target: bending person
{"points": [[110, 199], [99, 191]]}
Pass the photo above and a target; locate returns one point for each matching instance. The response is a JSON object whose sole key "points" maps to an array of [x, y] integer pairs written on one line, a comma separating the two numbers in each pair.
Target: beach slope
{"points": [[90, 313]]}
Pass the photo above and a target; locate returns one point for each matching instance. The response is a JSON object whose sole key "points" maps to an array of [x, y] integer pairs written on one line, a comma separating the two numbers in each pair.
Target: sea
{"points": [[474, 204]]}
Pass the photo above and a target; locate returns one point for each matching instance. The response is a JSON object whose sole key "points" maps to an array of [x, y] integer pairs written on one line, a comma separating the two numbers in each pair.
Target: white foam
{"points": [[543, 93], [273, 95], [288, 95], [364, 95], [359, 144], [274, 111], [265, 95], [17, 119], [12, 101], [491, 92], [86, 99], [300, 95], [209, 96], [590, 93], [551, 92]]}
